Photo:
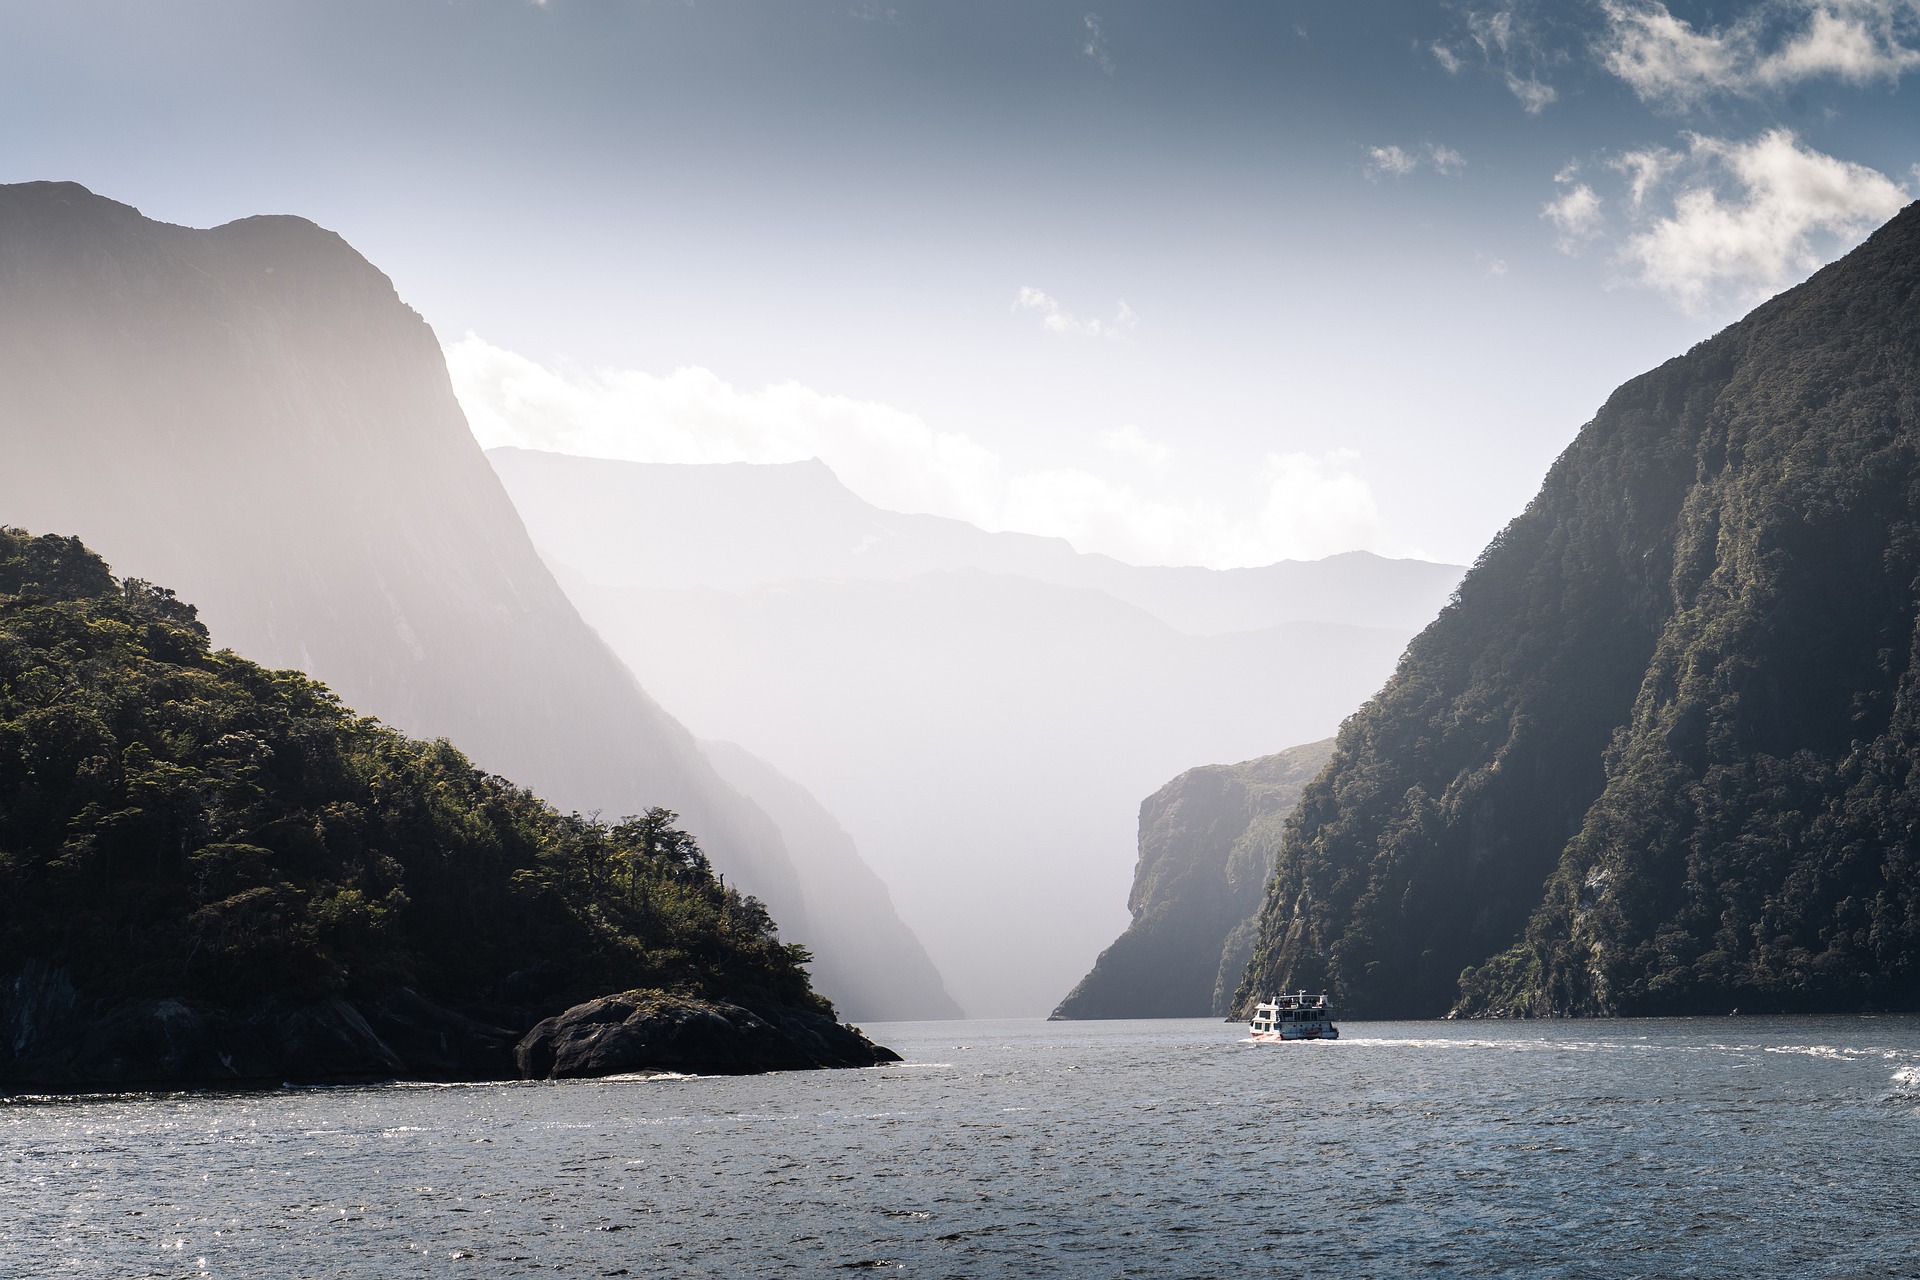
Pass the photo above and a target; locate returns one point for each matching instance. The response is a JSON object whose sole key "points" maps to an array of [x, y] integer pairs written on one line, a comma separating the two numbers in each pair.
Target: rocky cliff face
{"points": [[1207, 845], [251, 415], [1662, 754]]}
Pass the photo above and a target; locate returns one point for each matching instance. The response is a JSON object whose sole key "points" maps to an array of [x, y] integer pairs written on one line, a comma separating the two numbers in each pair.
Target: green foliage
{"points": [[1662, 752], [176, 821]]}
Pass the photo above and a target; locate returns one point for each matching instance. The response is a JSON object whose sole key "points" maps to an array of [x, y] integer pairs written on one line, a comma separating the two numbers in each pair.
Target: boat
{"points": [[1294, 1017]]}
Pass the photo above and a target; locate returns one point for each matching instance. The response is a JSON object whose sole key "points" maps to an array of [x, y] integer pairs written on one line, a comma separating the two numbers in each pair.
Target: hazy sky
{"points": [[1186, 282]]}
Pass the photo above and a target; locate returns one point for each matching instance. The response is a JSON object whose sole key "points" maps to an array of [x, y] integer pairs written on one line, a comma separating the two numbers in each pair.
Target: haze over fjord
{"points": [[1216, 286]]}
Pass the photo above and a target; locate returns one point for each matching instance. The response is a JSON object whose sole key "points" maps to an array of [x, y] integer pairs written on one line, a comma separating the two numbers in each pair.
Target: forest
{"points": [[179, 822]]}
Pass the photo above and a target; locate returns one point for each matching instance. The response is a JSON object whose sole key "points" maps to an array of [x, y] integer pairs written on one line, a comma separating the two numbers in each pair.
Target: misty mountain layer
{"points": [[1208, 841], [881, 967], [983, 735], [737, 525], [1663, 754], [250, 414]]}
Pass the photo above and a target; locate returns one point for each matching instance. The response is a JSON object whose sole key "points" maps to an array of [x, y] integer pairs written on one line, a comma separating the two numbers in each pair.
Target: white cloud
{"points": [[1398, 162], [1318, 502], [1055, 319], [1510, 46], [1096, 45], [1535, 94], [1302, 505], [1393, 161], [1773, 45], [1575, 212], [1645, 170], [1130, 440], [1750, 217], [1449, 60]]}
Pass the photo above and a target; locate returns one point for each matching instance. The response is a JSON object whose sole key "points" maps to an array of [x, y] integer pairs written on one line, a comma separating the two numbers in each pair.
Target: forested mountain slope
{"points": [[250, 414], [1659, 756], [215, 872], [1208, 840]]}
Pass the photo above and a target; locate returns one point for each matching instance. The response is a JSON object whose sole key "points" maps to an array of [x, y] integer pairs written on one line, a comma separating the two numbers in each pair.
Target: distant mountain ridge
{"points": [[979, 713], [250, 414], [737, 525], [1662, 755]]}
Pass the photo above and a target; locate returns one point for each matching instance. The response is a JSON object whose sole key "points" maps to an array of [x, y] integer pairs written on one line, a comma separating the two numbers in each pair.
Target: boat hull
{"points": [[1296, 1033]]}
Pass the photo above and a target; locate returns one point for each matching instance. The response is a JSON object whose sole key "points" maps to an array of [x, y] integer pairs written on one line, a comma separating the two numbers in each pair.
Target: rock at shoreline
{"points": [[50, 1041], [654, 1031]]}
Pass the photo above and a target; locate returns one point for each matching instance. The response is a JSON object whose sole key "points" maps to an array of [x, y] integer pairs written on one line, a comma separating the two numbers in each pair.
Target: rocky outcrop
{"points": [[1207, 844], [653, 1031], [51, 1041]]}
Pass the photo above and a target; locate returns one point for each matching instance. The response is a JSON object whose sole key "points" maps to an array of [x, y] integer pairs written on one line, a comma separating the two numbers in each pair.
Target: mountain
{"points": [[877, 965], [1207, 845], [1660, 756], [216, 873], [648, 526], [980, 711], [984, 738], [251, 414]]}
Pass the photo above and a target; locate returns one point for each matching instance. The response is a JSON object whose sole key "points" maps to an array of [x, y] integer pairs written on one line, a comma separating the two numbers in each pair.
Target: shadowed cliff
{"points": [[1660, 755], [1207, 845]]}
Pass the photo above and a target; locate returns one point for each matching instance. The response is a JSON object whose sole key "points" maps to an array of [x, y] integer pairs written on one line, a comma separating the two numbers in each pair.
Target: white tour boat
{"points": [[1295, 1017]]}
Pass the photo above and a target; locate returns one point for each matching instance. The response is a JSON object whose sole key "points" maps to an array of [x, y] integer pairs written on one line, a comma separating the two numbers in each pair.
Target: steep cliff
{"points": [[1659, 756], [251, 414], [1207, 845]]}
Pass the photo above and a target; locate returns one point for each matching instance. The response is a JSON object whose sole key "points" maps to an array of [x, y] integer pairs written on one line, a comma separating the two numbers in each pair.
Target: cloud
{"points": [[1054, 319], [1096, 45], [1398, 162], [1773, 45], [1391, 161], [1748, 218], [1309, 505], [1295, 505], [1575, 212], [1133, 442], [1449, 60], [1645, 170], [1511, 47]]}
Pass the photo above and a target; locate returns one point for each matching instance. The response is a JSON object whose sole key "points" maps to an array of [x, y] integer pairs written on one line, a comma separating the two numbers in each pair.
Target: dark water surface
{"points": [[1707, 1147]]}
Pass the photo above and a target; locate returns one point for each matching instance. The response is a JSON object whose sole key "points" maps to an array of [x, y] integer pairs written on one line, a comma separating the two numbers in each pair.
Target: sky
{"points": [[1206, 283]]}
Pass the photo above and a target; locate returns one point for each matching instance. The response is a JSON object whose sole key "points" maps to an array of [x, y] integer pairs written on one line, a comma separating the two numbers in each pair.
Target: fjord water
{"points": [[1684, 1147]]}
